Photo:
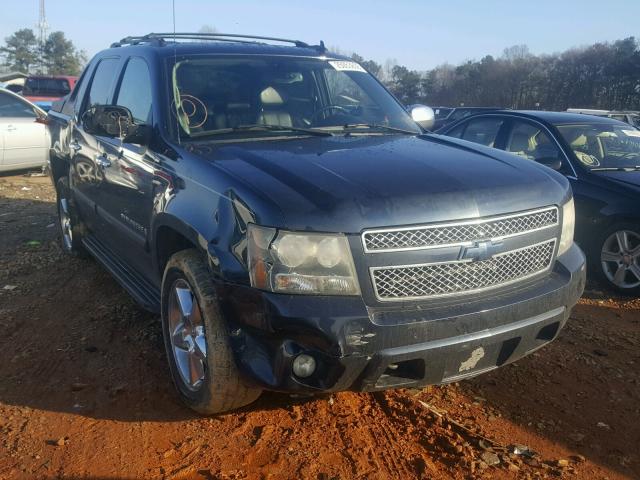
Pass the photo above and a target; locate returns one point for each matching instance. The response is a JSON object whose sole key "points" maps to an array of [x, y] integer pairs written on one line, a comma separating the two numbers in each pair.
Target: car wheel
{"points": [[69, 225], [620, 258], [197, 341]]}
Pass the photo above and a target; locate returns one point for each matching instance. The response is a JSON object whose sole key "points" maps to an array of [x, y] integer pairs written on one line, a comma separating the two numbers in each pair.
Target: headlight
{"points": [[568, 225], [303, 263]]}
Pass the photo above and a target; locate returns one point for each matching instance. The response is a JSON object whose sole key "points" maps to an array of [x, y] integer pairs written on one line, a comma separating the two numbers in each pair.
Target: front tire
{"points": [[69, 225], [618, 258], [197, 341]]}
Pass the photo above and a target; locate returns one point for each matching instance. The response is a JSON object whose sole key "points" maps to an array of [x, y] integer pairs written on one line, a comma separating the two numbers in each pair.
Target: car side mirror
{"points": [[116, 122], [139, 135], [552, 162], [422, 115]]}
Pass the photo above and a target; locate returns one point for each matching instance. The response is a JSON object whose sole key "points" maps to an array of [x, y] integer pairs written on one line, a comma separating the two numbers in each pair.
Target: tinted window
{"points": [[531, 141], [483, 131], [80, 89], [458, 114], [441, 112], [343, 90], [457, 132], [215, 94], [46, 86], [135, 90], [12, 107], [102, 82], [608, 145]]}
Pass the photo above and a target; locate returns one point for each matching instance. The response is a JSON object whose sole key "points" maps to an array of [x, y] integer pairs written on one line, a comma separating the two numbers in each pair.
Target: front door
{"points": [[129, 181], [87, 150]]}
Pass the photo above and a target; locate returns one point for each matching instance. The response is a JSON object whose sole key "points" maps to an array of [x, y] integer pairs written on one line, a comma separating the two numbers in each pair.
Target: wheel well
{"points": [[169, 242]]}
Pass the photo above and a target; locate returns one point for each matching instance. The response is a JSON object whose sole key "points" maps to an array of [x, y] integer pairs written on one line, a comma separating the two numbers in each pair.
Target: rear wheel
{"points": [[196, 339], [620, 258], [69, 224]]}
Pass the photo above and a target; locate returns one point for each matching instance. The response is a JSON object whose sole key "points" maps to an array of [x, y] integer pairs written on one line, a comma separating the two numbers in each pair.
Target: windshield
{"points": [[604, 146], [224, 96], [46, 86]]}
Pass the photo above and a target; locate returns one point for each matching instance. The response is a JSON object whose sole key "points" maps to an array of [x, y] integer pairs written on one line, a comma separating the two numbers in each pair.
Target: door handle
{"points": [[102, 161], [75, 146]]}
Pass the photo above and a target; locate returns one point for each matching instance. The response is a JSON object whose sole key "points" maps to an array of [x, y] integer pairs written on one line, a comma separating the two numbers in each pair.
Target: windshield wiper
{"points": [[616, 169], [373, 126], [262, 127]]}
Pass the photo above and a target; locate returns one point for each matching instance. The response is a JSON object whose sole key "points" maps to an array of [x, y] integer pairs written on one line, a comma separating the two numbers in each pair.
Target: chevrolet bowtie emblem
{"points": [[480, 251]]}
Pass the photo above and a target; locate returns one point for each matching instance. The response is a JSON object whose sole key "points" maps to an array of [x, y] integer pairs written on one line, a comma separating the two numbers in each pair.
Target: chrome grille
{"points": [[459, 233], [437, 279]]}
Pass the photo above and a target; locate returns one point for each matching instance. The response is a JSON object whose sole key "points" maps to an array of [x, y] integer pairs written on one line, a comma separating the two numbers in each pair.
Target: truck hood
{"points": [[349, 183]]}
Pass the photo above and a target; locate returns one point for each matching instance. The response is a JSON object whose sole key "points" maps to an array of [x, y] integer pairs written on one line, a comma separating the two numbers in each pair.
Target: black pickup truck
{"points": [[296, 227]]}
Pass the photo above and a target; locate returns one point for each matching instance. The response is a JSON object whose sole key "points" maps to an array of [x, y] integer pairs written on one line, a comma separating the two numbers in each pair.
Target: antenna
{"points": [[42, 29]]}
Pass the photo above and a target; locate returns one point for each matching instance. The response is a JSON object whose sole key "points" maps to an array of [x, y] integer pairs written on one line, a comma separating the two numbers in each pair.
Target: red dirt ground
{"points": [[85, 392]]}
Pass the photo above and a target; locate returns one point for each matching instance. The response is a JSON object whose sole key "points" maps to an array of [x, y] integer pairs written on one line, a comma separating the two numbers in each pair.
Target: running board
{"points": [[145, 294]]}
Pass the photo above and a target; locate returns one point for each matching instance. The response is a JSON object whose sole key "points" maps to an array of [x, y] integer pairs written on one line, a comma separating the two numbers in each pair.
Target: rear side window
{"points": [[135, 90], [103, 79], [11, 107], [483, 131]]}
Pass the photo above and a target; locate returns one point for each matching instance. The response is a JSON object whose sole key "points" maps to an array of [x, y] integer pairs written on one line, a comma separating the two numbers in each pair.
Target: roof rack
{"points": [[160, 39]]}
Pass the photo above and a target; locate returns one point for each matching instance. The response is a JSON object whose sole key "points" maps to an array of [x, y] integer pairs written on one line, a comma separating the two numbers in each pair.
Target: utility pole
{"points": [[42, 28]]}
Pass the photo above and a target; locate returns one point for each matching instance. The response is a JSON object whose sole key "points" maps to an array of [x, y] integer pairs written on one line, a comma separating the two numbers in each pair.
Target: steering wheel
{"points": [[588, 160], [328, 108]]}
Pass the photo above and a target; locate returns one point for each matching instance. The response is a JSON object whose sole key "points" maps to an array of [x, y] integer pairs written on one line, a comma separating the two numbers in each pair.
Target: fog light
{"points": [[304, 365]]}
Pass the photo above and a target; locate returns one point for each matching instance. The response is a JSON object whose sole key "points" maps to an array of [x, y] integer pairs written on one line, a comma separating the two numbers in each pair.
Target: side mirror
{"points": [[422, 115], [552, 162], [116, 122], [139, 135]]}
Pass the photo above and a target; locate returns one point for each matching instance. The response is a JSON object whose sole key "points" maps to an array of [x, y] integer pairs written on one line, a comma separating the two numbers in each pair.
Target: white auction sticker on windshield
{"points": [[346, 66], [631, 133]]}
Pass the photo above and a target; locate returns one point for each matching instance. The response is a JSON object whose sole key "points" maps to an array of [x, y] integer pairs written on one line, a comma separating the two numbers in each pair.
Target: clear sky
{"points": [[418, 34]]}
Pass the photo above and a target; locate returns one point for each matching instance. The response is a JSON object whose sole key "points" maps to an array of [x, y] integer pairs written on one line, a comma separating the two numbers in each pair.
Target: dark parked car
{"points": [[458, 113], [601, 158], [44, 90], [295, 227], [441, 113], [630, 117]]}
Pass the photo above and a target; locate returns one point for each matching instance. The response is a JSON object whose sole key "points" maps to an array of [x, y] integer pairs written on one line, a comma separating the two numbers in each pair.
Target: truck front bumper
{"points": [[365, 348]]}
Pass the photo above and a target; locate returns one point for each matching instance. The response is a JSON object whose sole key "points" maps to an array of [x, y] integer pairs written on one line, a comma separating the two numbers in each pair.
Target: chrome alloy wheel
{"points": [[620, 258], [188, 341], [65, 223]]}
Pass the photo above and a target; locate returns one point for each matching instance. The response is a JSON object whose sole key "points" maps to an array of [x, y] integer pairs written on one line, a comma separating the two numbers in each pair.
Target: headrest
{"points": [[270, 96], [579, 141]]}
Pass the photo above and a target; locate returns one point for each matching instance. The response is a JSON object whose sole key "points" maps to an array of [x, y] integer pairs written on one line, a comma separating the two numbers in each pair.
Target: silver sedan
{"points": [[24, 139]]}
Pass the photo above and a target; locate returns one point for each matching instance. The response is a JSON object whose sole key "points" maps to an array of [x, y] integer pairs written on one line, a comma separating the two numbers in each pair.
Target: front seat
{"points": [[520, 144], [544, 148], [272, 111]]}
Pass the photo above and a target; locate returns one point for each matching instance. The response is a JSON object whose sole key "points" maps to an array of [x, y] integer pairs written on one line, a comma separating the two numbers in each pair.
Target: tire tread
{"points": [[225, 390]]}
